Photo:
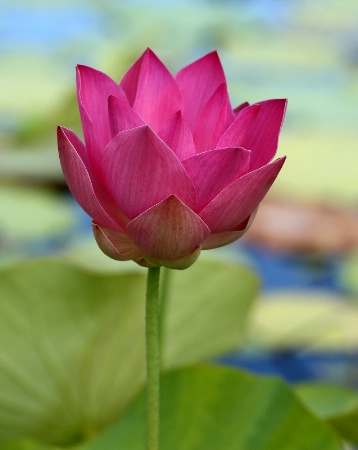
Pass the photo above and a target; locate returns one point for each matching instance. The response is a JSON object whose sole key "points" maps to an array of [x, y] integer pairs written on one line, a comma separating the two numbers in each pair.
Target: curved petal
{"points": [[151, 90], [141, 170], [262, 137], [115, 244], [93, 90], [216, 240], [197, 83], [66, 137], [121, 116], [212, 171], [78, 179], [178, 136], [238, 200], [213, 120], [235, 135], [178, 263], [94, 152], [168, 230]]}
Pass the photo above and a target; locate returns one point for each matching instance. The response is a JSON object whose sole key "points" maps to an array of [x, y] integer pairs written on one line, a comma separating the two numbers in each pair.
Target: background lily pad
{"points": [[317, 320]]}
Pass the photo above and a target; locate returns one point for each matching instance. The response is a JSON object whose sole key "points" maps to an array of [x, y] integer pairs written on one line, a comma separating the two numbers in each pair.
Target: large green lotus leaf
{"points": [[24, 445], [335, 404], [72, 349], [309, 319], [204, 303], [198, 305], [215, 408], [72, 354]]}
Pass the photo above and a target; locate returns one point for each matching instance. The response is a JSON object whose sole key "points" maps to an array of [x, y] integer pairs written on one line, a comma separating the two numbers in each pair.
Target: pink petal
{"points": [[197, 83], [177, 135], [212, 171], [93, 90], [178, 263], [168, 230], [238, 200], [216, 240], [115, 244], [151, 90], [94, 151], [141, 170], [78, 179], [235, 135], [121, 116], [213, 120], [262, 138]]}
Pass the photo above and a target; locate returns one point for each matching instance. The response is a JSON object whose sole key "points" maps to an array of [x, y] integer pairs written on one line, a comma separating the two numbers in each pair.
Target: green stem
{"points": [[153, 358], [164, 295]]}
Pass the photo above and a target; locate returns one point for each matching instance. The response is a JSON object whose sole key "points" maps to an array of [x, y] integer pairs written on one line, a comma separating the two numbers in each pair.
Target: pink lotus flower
{"points": [[168, 167]]}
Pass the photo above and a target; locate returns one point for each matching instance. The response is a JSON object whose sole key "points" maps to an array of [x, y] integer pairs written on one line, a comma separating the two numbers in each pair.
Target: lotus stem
{"points": [[153, 358], [164, 298]]}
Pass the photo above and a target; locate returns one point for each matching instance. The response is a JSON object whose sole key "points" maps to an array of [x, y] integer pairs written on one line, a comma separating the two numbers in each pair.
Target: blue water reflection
{"points": [[26, 27]]}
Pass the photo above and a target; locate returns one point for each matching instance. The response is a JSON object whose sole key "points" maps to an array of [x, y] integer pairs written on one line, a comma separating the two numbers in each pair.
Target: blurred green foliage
{"points": [[306, 51]]}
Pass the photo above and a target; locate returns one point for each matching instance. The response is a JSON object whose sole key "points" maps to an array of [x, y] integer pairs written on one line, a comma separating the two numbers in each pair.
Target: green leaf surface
{"points": [[204, 303], [24, 445], [307, 319], [198, 304], [335, 404], [215, 408], [72, 355], [72, 352]]}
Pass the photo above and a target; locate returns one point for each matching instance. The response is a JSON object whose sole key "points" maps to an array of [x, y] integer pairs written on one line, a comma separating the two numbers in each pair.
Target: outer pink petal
{"points": [[141, 170], [198, 82], [178, 136], [121, 116], [168, 230], [93, 90], [216, 240], [178, 263], [238, 200], [212, 171], [213, 119], [262, 138], [235, 135], [151, 90], [94, 151], [115, 244], [78, 179]]}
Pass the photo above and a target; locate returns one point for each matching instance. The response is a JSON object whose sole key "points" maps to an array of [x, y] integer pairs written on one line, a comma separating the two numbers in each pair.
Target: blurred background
{"points": [[304, 242]]}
